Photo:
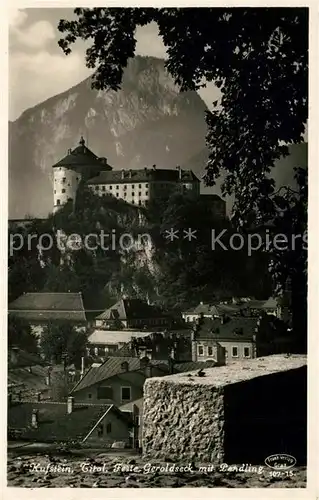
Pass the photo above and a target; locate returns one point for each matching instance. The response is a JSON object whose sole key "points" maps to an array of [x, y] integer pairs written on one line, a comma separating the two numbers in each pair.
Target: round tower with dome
{"points": [[80, 164]]}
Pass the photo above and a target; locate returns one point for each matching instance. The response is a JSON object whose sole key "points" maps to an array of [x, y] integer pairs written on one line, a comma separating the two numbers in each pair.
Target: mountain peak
{"points": [[148, 121]]}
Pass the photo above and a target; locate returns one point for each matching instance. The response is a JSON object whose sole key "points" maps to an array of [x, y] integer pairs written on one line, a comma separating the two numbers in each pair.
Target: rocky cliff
{"points": [[147, 122]]}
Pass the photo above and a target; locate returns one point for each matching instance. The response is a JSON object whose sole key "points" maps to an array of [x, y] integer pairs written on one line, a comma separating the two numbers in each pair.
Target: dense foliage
{"points": [[61, 342], [20, 335]]}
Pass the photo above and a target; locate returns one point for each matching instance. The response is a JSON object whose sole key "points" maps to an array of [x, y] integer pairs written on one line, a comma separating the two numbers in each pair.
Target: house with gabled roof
{"points": [[102, 425], [250, 307], [39, 308], [119, 380], [240, 336], [132, 314], [212, 311], [236, 335]]}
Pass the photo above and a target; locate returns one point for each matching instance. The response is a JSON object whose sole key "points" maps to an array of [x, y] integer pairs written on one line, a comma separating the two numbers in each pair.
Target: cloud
{"points": [[149, 43], [43, 75], [17, 18], [34, 36]]}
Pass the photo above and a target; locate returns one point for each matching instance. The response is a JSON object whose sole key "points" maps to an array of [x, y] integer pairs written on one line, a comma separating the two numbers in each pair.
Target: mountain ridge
{"points": [[148, 121]]}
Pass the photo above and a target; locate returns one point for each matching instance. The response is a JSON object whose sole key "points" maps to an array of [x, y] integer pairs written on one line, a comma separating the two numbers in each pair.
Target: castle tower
{"points": [[80, 164]]}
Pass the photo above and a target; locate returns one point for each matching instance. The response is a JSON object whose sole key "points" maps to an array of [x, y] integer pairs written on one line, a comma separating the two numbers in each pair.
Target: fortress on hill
{"points": [[136, 187]]}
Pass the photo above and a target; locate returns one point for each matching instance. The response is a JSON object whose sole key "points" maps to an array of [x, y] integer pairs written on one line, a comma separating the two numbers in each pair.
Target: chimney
{"points": [[34, 419], [148, 370], [48, 379], [223, 319], [154, 167], [125, 366], [179, 172], [122, 173], [194, 345], [130, 173], [70, 404], [69, 151], [82, 367], [38, 396], [14, 355], [149, 353]]}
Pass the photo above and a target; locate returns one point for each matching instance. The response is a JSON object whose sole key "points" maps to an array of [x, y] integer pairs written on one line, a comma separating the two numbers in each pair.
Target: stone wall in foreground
{"points": [[235, 413]]}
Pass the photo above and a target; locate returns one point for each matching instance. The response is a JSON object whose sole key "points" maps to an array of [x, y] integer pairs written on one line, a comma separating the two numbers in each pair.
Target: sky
{"points": [[38, 69]]}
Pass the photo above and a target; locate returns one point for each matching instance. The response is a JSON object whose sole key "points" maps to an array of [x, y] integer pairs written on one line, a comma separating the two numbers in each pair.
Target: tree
{"points": [[257, 57], [61, 341], [20, 335], [26, 262], [60, 386], [190, 267]]}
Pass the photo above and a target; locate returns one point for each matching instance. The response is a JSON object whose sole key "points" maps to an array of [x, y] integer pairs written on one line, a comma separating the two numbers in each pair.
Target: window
{"points": [[139, 202], [58, 202], [133, 202], [117, 187], [246, 352], [108, 428], [54, 191], [146, 185], [117, 195], [146, 193], [210, 350], [63, 190], [200, 350], [90, 396], [111, 187], [64, 179], [234, 351], [139, 193], [124, 187], [96, 188], [140, 185], [103, 188], [125, 393], [124, 195], [133, 186], [104, 393]]}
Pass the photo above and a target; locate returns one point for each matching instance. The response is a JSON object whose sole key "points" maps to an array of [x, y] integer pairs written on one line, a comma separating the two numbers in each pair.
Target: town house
{"points": [[236, 335], [38, 309], [88, 425]]}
